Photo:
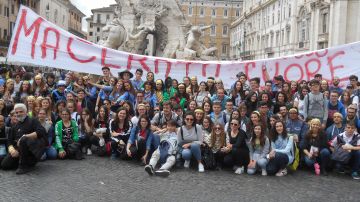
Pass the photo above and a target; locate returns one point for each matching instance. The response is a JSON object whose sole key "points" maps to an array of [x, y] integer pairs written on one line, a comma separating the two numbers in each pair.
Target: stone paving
{"points": [[102, 179]]}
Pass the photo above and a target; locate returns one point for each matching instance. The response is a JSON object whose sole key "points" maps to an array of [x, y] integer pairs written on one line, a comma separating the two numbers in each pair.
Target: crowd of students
{"points": [[169, 123]]}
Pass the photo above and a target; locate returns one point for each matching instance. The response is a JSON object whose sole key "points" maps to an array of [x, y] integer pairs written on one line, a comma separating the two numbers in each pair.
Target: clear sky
{"points": [[86, 5]]}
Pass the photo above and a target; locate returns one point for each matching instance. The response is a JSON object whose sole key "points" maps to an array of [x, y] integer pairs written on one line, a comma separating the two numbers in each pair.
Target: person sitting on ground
{"points": [[348, 141], [139, 143], [218, 144], [166, 152], [67, 137], [237, 152], [281, 153], [259, 147], [190, 138], [315, 148], [336, 128], [26, 142]]}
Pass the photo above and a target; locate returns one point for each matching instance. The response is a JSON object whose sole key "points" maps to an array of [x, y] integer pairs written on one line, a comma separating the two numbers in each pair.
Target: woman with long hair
{"points": [[199, 96], [39, 87], [159, 91], [299, 101], [281, 154], [259, 147], [139, 143], [120, 129], [207, 126], [189, 140], [86, 129], [251, 102], [207, 106], [149, 94], [183, 96], [30, 104], [315, 148], [24, 92], [238, 94], [237, 152], [218, 144], [281, 99]]}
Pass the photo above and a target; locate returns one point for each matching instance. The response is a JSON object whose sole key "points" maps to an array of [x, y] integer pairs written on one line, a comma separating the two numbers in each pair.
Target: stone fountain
{"points": [[156, 28]]}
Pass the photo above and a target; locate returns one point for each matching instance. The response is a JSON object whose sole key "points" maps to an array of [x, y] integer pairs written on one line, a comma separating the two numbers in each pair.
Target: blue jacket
{"points": [[127, 96], [134, 136], [297, 127], [285, 146], [332, 131], [151, 98], [340, 108]]}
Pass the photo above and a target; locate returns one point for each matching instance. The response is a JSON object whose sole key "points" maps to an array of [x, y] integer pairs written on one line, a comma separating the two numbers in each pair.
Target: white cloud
{"points": [[86, 5]]}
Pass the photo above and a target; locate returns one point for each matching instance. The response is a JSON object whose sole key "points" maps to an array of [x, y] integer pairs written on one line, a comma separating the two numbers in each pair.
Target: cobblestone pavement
{"points": [[102, 179]]}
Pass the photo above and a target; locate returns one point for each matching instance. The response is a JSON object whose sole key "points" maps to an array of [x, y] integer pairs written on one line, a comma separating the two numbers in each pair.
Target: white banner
{"points": [[39, 42]]}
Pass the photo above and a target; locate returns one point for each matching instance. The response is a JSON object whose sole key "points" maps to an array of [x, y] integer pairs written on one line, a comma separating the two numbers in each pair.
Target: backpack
{"points": [[341, 155], [208, 158], [295, 163]]}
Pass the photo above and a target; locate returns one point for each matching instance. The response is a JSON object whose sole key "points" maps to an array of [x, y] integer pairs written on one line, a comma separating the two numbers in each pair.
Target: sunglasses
{"points": [[234, 124], [188, 119], [217, 128]]}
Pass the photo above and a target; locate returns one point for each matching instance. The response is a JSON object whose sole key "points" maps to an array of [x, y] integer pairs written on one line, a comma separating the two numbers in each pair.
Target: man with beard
{"points": [[335, 86], [26, 142], [351, 116]]}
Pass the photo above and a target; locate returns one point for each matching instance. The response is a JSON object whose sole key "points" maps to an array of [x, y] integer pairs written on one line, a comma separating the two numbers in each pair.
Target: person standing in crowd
{"points": [[26, 142], [334, 106], [315, 104], [137, 82], [160, 119]]}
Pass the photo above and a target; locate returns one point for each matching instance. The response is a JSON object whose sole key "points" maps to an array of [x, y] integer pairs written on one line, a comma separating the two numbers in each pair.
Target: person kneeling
{"points": [[27, 141], [166, 152], [67, 137]]}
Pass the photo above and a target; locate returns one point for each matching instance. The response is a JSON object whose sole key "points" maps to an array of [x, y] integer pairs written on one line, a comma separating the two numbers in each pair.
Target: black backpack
{"points": [[208, 158]]}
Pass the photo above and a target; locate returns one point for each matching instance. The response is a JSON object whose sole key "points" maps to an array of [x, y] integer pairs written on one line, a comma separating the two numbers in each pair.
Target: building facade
{"points": [[99, 18], [275, 28], [55, 11], [219, 14], [75, 21], [8, 13]]}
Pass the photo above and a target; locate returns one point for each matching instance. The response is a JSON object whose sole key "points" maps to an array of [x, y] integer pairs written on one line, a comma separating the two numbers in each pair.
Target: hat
{"points": [[61, 83], [121, 74]]}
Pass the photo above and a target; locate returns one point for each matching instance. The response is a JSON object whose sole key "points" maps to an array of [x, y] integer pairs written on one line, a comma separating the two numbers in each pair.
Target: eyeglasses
{"points": [[217, 128], [234, 124], [189, 119], [106, 103]]}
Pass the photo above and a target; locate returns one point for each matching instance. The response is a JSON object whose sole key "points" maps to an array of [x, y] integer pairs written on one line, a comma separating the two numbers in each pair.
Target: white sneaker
{"points": [[239, 171], [187, 164], [235, 168], [201, 168], [281, 173], [89, 152], [263, 172]]}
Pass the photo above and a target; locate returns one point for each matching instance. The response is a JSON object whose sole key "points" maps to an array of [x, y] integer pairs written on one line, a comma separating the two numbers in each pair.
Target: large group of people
{"points": [[166, 123]]}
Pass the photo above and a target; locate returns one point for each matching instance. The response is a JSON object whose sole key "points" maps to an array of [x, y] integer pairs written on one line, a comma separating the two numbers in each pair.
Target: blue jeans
{"points": [[51, 153], [260, 164], [323, 159], [193, 150]]}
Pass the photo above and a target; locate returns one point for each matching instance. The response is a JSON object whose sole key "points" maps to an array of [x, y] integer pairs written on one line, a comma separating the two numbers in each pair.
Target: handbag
{"points": [[341, 155], [208, 158]]}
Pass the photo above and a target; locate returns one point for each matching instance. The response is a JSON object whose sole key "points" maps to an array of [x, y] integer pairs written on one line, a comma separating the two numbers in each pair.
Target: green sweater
{"points": [[59, 135]]}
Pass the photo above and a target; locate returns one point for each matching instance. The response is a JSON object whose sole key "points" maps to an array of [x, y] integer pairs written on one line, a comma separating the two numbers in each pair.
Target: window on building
{"points": [[213, 12], [287, 36], [5, 34], [273, 19], [277, 39], [202, 11], [224, 49], [47, 7], [91, 25], [6, 11], [237, 13], [107, 16], [98, 18], [289, 10], [225, 12], [213, 30], [1, 8], [12, 9], [0, 32], [324, 22], [279, 17], [97, 39], [90, 33], [225, 30], [98, 29], [55, 16], [190, 10]]}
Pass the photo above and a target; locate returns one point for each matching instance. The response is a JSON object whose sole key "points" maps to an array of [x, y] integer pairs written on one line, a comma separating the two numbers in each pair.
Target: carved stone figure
{"points": [[155, 24]]}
